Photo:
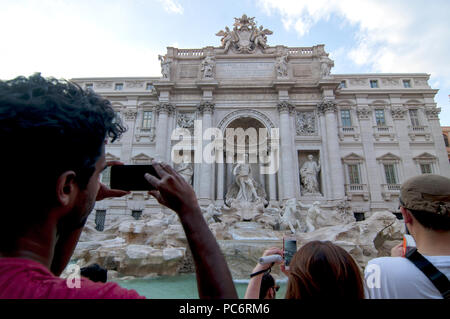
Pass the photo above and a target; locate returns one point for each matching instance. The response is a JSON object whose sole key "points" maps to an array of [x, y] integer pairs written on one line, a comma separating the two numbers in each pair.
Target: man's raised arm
{"points": [[213, 276]]}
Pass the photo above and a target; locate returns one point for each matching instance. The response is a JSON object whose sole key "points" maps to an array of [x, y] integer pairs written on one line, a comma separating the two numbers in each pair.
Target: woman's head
{"points": [[322, 269], [268, 288]]}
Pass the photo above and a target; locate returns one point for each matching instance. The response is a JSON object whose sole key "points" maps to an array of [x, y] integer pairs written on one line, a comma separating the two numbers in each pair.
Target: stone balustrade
{"points": [[389, 190], [345, 131], [357, 190], [300, 51], [189, 52], [383, 131], [419, 130]]}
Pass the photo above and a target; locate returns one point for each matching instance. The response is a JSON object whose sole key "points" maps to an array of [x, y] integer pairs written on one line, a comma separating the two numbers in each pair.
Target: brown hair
{"points": [[322, 269]]}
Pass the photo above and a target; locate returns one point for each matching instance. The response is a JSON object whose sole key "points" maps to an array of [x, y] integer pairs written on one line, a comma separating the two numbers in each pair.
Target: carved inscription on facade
{"points": [[188, 71], [235, 70], [302, 71]]}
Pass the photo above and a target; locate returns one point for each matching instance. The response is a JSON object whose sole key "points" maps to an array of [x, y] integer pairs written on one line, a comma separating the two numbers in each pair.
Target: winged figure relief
{"points": [[228, 37], [259, 37]]}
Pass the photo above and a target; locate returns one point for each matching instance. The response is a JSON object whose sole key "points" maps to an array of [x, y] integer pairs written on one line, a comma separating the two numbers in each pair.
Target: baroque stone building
{"points": [[367, 133]]}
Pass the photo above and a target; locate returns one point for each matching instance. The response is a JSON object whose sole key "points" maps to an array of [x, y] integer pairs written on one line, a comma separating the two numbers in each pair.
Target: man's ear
{"points": [[66, 188], [407, 217]]}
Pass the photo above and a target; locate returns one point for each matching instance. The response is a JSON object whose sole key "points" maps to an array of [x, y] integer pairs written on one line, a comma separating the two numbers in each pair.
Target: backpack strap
{"points": [[439, 280]]}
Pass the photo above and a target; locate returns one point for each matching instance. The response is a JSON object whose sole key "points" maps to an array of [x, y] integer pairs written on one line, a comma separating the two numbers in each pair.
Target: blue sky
{"points": [[81, 38]]}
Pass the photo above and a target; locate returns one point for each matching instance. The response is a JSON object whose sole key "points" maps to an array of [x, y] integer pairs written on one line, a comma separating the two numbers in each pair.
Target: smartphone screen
{"points": [[290, 248], [131, 177]]}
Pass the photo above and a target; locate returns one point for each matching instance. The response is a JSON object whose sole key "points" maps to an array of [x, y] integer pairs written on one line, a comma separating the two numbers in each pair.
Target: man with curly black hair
{"points": [[53, 137]]}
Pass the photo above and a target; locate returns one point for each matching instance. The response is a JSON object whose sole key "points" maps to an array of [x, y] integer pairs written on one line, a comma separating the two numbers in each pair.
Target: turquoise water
{"points": [[178, 287]]}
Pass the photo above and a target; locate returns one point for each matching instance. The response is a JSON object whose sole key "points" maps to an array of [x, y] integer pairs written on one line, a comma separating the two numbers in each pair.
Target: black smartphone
{"points": [[131, 177], [290, 248]]}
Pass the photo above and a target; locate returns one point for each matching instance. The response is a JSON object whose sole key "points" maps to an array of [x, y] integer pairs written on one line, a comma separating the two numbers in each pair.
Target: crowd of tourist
{"points": [[47, 199]]}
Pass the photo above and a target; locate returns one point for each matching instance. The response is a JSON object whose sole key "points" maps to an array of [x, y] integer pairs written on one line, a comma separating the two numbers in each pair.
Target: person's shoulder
{"points": [[395, 266], [109, 290]]}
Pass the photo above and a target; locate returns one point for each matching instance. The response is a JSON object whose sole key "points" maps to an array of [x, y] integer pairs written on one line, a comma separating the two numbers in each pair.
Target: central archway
{"points": [[250, 121]]}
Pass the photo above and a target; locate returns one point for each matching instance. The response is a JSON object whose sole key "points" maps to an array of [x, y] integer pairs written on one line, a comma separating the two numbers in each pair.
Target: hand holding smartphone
{"points": [[131, 177], [290, 248]]}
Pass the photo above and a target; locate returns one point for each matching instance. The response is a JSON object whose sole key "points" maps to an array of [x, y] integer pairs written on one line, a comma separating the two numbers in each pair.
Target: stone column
{"points": [[285, 108], [398, 113], [129, 117], [272, 182], [439, 145], [206, 108], [220, 178], [162, 140], [170, 127], [328, 109], [373, 172]]}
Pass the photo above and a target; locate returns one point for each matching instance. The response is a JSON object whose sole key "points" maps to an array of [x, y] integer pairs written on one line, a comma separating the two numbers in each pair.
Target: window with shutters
{"points": [[414, 116], [345, 118], [390, 172]]}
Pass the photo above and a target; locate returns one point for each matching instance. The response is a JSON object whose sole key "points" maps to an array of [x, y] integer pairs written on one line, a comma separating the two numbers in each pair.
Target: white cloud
{"points": [[172, 6], [393, 36]]}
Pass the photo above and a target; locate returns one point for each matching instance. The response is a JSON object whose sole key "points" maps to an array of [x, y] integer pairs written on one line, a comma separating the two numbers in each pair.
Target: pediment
{"points": [[424, 156], [389, 157], [111, 157], [141, 157], [379, 103], [353, 157], [345, 103]]}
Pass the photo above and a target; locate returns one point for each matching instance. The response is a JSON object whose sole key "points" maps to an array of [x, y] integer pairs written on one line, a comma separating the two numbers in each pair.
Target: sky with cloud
{"points": [[96, 38]]}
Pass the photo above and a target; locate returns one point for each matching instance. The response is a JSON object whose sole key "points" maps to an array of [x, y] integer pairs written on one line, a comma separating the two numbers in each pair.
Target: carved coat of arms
{"points": [[245, 37]]}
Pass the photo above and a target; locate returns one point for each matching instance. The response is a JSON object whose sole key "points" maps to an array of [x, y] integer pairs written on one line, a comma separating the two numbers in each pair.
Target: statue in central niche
{"points": [[245, 195], [247, 190]]}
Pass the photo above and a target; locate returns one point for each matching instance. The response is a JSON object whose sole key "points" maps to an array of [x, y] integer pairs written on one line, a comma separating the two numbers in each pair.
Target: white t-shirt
{"points": [[399, 278]]}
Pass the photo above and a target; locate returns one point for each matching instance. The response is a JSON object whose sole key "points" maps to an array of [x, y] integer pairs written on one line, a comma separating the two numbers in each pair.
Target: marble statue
{"points": [[245, 195], [208, 67], [291, 216], [165, 66], [228, 38], [211, 214], [281, 66], [185, 169], [245, 37], [247, 190], [325, 67], [259, 37], [309, 174], [311, 216]]}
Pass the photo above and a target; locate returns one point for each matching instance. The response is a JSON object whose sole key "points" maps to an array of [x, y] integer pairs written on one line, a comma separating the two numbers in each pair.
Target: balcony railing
{"points": [[357, 189], [348, 131], [419, 130], [383, 131], [389, 190], [392, 187]]}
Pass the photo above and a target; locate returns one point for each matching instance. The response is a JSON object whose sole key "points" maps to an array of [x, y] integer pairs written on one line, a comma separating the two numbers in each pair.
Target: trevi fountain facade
{"points": [[324, 154]]}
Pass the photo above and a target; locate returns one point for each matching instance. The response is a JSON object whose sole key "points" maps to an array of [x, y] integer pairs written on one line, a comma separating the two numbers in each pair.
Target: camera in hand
{"points": [[270, 259], [131, 177]]}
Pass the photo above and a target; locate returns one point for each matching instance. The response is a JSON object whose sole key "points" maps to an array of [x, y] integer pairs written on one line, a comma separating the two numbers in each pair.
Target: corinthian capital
{"points": [[398, 113], [327, 106], [433, 113], [165, 108], [285, 106], [130, 115], [364, 113], [206, 107]]}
